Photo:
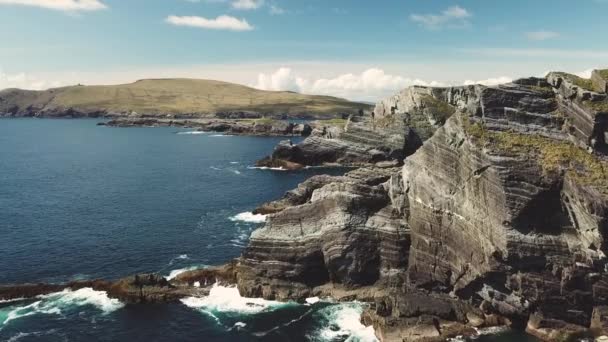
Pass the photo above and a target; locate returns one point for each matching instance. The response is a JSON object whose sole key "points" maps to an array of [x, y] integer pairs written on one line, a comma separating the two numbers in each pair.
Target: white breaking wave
{"points": [[220, 135], [192, 132], [343, 321], [55, 303], [249, 217], [177, 272], [179, 257], [3, 301], [238, 325], [267, 168], [237, 172], [223, 299], [312, 300]]}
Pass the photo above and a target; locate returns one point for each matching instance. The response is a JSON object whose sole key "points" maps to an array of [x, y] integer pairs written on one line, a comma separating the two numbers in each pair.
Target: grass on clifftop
{"points": [[552, 155], [603, 73], [583, 83], [599, 106], [440, 108], [333, 122]]}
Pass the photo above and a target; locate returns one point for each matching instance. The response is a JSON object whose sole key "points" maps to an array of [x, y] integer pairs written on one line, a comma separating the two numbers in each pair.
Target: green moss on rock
{"points": [[333, 122], [545, 92], [552, 155], [437, 107], [598, 106], [583, 83]]}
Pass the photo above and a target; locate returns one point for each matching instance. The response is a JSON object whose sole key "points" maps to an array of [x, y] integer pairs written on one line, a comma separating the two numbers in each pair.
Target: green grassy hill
{"points": [[173, 98]]}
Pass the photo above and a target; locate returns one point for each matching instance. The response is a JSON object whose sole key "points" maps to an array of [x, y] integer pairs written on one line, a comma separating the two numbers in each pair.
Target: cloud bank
{"points": [[25, 81], [60, 5], [369, 85], [223, 22]]}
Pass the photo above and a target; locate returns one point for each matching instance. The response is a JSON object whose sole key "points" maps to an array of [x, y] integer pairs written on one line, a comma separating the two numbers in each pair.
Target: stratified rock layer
{"points": [[498, 218], [395, 130]]}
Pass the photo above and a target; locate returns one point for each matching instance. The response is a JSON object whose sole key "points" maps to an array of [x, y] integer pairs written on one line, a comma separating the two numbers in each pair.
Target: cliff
{"points": [[499, 217], [172, 98], [395, 129], [472, 207]]}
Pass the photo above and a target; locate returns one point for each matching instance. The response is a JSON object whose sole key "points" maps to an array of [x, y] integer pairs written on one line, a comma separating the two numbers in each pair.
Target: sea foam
{"points": [[267, 168], [179, 271], [192, 132], [223, 299], [249, 217], [344, 321], [57, 302]]}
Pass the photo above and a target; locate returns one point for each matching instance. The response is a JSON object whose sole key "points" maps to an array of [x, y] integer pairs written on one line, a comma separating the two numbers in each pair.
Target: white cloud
{"points": [[223, 22], [369, 85], [282, 79], [542, 35], [490, 81], [247, 4], [60, 5], [585, 73], [452, 17], [25, 81]]}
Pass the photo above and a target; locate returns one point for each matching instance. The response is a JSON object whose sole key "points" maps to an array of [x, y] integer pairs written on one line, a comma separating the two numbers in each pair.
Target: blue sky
{"points": [[353, 48]]}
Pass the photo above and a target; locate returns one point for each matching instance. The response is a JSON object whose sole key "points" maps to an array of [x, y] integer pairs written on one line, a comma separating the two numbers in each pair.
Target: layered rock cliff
{"points": [[499, 217], [393, 131]]}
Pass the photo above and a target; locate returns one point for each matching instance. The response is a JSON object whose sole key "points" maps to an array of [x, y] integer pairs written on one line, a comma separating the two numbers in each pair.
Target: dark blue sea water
{"points": [[80, 201]]}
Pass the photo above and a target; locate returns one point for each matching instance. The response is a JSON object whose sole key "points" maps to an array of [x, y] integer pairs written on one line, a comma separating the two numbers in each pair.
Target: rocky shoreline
{"points": [[251, 127], [471, 207]]}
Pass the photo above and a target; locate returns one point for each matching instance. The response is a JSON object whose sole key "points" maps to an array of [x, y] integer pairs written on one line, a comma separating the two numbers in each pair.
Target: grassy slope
{"points": [[175, 96]]}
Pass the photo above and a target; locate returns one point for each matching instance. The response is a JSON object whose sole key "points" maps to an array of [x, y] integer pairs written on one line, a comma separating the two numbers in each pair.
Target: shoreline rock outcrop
{"points": [[251, 127]]}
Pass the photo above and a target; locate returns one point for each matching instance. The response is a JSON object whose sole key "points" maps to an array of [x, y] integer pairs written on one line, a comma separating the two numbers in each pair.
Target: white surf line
{"points": [[250, 217]]}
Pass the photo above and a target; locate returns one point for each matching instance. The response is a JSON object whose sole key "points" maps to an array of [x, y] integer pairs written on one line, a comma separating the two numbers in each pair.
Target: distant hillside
{"points": [[172, 98]]}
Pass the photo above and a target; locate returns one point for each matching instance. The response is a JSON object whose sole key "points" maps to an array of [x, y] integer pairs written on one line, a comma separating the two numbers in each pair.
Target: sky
{"points": [[357, 49]]}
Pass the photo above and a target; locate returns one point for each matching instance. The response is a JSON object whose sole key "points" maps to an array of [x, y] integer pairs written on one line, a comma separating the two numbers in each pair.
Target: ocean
{"points": [[81, 201]]}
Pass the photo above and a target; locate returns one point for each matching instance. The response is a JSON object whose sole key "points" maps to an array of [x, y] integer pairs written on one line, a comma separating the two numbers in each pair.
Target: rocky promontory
{"points": [[385, 135], [497, 216]]}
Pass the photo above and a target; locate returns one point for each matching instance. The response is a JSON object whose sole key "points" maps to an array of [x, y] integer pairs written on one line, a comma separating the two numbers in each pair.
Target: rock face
{"points": [[500, 217], [253, 127], [396, 129]]}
